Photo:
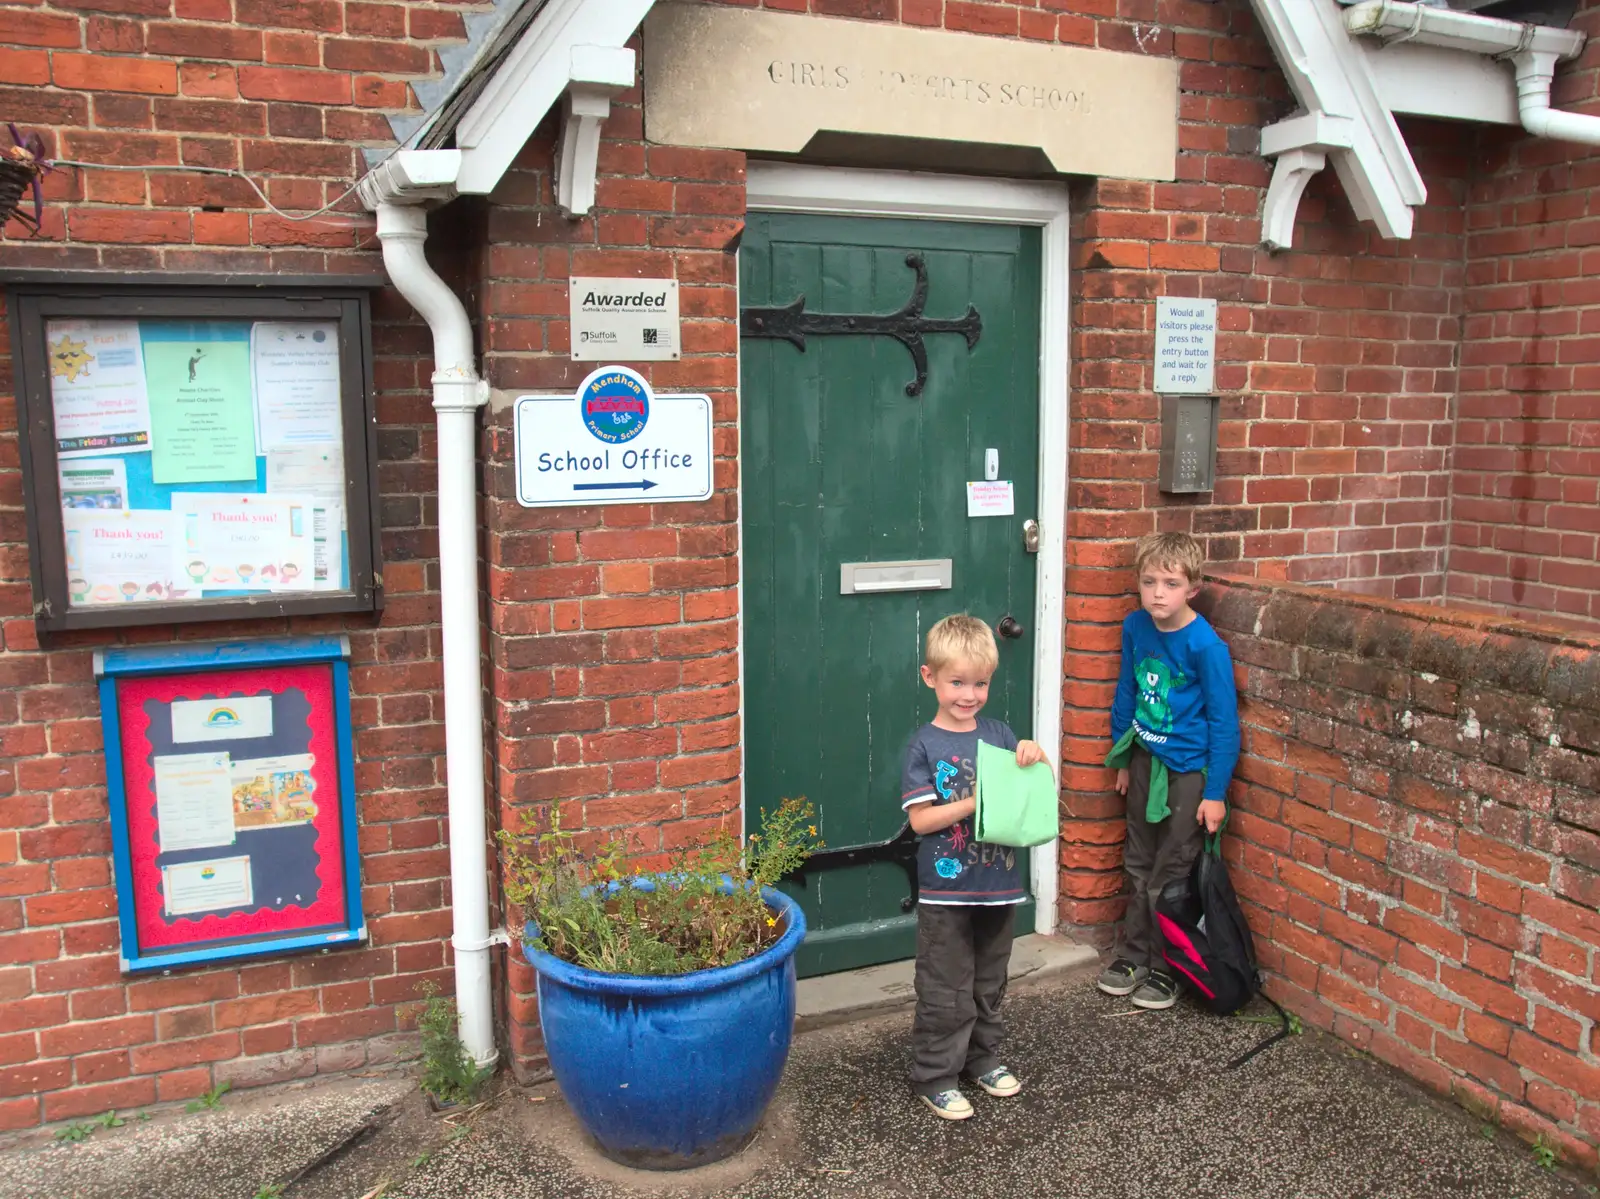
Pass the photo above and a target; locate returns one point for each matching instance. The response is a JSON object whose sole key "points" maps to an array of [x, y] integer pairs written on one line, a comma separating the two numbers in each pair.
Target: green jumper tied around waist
{"points": [[1156, 809]]}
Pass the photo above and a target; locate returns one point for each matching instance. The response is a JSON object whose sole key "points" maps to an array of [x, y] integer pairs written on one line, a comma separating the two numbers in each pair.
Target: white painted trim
{"points": [[1331, 76], [790, 188]]}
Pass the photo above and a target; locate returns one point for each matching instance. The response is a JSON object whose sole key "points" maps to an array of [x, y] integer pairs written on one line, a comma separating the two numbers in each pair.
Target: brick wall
{"points": [[286, 90], [1415, 834], [1526, 505], [613, 630]]}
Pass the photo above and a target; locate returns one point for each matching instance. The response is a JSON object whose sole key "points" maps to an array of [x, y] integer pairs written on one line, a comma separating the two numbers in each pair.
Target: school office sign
{"points": [[631, 320], [614, 441]]}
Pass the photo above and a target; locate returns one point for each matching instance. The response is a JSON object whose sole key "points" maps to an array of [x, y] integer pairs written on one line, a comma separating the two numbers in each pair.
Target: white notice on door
{"points": [[1186, 345], [991, 498]]}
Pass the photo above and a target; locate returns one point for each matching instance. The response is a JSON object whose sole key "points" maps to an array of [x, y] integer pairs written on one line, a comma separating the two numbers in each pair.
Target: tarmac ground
{"points": [[1116, 1104]]}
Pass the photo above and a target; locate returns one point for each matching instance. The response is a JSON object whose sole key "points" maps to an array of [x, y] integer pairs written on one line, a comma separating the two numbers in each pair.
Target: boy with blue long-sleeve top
{"points": [[1175, 724]]}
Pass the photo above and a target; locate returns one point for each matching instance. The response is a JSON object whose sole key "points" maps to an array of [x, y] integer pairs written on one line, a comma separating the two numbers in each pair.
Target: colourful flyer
{"points": [[97, 387], [244, 542], [118, 557]]}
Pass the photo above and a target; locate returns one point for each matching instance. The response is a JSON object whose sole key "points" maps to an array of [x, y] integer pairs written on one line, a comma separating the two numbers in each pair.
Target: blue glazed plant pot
{"points": [[672, 1072]]}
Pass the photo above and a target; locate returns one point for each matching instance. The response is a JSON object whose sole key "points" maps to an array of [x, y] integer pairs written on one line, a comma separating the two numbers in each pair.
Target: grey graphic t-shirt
{"points": [[952, 867]]}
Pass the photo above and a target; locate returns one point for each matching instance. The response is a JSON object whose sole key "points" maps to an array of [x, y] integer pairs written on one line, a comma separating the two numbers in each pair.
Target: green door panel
{"points": [[838, 464]]}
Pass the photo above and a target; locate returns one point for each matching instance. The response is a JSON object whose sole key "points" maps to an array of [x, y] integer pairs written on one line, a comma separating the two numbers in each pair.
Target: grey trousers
{"points": [[1156, 854], [963, 952]]}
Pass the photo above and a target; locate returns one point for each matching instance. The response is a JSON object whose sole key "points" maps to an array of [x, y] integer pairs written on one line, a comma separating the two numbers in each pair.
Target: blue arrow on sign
{"points": [[642, 485]]}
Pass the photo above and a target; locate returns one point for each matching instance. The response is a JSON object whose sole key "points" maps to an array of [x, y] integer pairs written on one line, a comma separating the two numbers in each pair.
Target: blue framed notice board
{"points": [[232, 790]]}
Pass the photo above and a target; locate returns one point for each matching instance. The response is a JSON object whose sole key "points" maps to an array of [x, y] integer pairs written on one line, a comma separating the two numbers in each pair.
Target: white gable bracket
{"points": [[598, 73], [574, 48], [1344, 119], [565, 48]]}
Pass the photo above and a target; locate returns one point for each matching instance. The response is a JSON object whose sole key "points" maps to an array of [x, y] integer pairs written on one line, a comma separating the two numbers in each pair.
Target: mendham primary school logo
{"points": [[615, 404]]}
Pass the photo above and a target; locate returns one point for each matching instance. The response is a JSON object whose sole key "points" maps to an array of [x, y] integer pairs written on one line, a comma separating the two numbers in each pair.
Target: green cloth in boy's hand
{"points": [[1017, 805]]}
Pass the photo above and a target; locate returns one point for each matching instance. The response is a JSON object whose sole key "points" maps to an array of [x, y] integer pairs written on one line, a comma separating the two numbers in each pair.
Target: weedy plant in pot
{"points": [[666, 998]]}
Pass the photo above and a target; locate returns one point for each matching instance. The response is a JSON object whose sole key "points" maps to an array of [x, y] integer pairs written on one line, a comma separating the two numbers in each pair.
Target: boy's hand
{"points": [[1211, 814], [1029, 752], [1122, 782]]}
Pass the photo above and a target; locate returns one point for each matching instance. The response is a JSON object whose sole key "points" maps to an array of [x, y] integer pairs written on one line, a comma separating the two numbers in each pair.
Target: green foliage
{"points": [[210, 1101], [73, 1133], [448, 1072], [1545, 1154], [270, 1190], [110, 1120], [704, 910]]}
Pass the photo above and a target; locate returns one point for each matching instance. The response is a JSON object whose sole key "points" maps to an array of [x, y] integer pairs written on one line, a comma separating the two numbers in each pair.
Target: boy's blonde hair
{"points": [[961, 639], [1170, 551]]}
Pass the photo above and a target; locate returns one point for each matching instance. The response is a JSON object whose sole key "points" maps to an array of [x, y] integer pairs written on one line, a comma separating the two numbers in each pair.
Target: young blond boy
{"points": [[1175, 724], [968, 889]]}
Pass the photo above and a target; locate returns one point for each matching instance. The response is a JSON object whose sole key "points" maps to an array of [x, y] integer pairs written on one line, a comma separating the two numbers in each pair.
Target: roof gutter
{"points": [[1533, 51]]}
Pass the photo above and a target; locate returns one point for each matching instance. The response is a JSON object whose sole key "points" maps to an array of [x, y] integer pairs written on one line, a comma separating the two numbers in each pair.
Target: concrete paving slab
{"points": [[835, 997], [1114, 1106], [253, 1139]]}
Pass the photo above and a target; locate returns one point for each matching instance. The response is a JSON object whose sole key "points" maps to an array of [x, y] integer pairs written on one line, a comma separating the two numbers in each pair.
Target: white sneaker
{"points": [[999, 1082], [949, 1105]]}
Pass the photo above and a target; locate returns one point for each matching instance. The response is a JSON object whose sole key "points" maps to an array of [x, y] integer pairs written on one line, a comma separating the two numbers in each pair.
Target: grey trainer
{"points": [[1158, 993], [1122, 977]]}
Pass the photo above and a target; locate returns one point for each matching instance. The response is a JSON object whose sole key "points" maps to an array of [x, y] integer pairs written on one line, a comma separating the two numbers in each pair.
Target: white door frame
{"points": [[786, 187]]}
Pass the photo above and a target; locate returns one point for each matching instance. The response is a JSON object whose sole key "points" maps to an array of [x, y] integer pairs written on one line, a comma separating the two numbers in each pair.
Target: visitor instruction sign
{"points": [[1186, 345], [632, 320], [612, 442]]}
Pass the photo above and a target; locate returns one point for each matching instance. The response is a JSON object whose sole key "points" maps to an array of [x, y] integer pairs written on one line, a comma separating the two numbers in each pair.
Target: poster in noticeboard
{"points": [[199, 460], [232, 792]]}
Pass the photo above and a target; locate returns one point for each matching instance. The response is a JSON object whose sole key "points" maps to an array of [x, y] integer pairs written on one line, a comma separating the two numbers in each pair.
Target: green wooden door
{"points": [[839, 465]]}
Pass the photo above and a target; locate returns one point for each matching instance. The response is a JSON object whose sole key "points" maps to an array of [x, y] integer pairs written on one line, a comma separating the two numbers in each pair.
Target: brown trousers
{"points": [[1156, 854], [963, 956]]}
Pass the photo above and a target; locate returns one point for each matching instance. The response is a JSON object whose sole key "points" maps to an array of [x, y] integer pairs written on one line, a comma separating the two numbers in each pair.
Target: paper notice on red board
{"points": [[194, 801], [213, 885], [991, 499]]}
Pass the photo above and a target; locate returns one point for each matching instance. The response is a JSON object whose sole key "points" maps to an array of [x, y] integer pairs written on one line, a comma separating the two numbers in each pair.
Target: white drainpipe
{"points": [[1536, 70], [457, 395]]}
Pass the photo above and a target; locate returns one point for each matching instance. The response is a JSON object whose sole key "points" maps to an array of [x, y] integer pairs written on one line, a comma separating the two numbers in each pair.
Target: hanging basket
{"points": [[19, 170]]}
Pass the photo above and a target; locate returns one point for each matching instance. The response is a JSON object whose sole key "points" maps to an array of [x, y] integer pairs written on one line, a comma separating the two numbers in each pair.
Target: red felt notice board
{"points": [[291, 822]]}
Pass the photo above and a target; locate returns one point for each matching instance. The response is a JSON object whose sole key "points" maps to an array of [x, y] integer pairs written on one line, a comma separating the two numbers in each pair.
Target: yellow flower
{"points": [[813, 830], [771, 920]]}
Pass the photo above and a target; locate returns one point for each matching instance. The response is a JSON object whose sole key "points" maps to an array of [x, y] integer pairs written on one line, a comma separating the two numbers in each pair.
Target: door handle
{"points": [[1009, 628], [1030, 536]]}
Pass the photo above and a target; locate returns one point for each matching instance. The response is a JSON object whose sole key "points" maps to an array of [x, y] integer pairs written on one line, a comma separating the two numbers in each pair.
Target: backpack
{"points": [[1208, 944]]}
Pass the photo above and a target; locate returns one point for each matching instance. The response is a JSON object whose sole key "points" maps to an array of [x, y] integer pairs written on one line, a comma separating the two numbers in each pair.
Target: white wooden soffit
{"points": [[574, 49]]}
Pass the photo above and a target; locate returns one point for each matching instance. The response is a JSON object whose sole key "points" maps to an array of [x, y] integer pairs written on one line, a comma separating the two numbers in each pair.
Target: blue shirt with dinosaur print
{"points": [[1177, 690], [953, 867]]}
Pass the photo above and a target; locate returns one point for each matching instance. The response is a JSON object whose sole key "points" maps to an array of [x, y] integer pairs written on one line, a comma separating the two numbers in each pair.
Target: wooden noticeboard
{"points": [[232, 792]]}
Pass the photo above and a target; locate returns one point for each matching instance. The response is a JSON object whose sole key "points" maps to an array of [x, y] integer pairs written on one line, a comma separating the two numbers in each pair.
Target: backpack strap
{"points": [[1270, 1041]]}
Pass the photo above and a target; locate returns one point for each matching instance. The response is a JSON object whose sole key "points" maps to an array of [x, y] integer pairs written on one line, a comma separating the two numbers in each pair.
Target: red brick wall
{"points": [[1526, 503], [284, 89], [1416, 837], [613, 630]]}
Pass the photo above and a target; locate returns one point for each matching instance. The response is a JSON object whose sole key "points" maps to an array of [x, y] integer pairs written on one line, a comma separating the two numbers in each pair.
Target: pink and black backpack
{"points": [[1208, 943]]}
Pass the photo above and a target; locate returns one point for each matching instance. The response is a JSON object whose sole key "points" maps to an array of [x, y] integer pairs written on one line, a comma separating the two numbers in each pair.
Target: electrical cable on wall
{"points": [[350, 219]]}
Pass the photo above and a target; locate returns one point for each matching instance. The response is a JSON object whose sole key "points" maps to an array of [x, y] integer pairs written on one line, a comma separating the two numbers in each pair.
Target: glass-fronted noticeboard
{"points": [[193, 457]]}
